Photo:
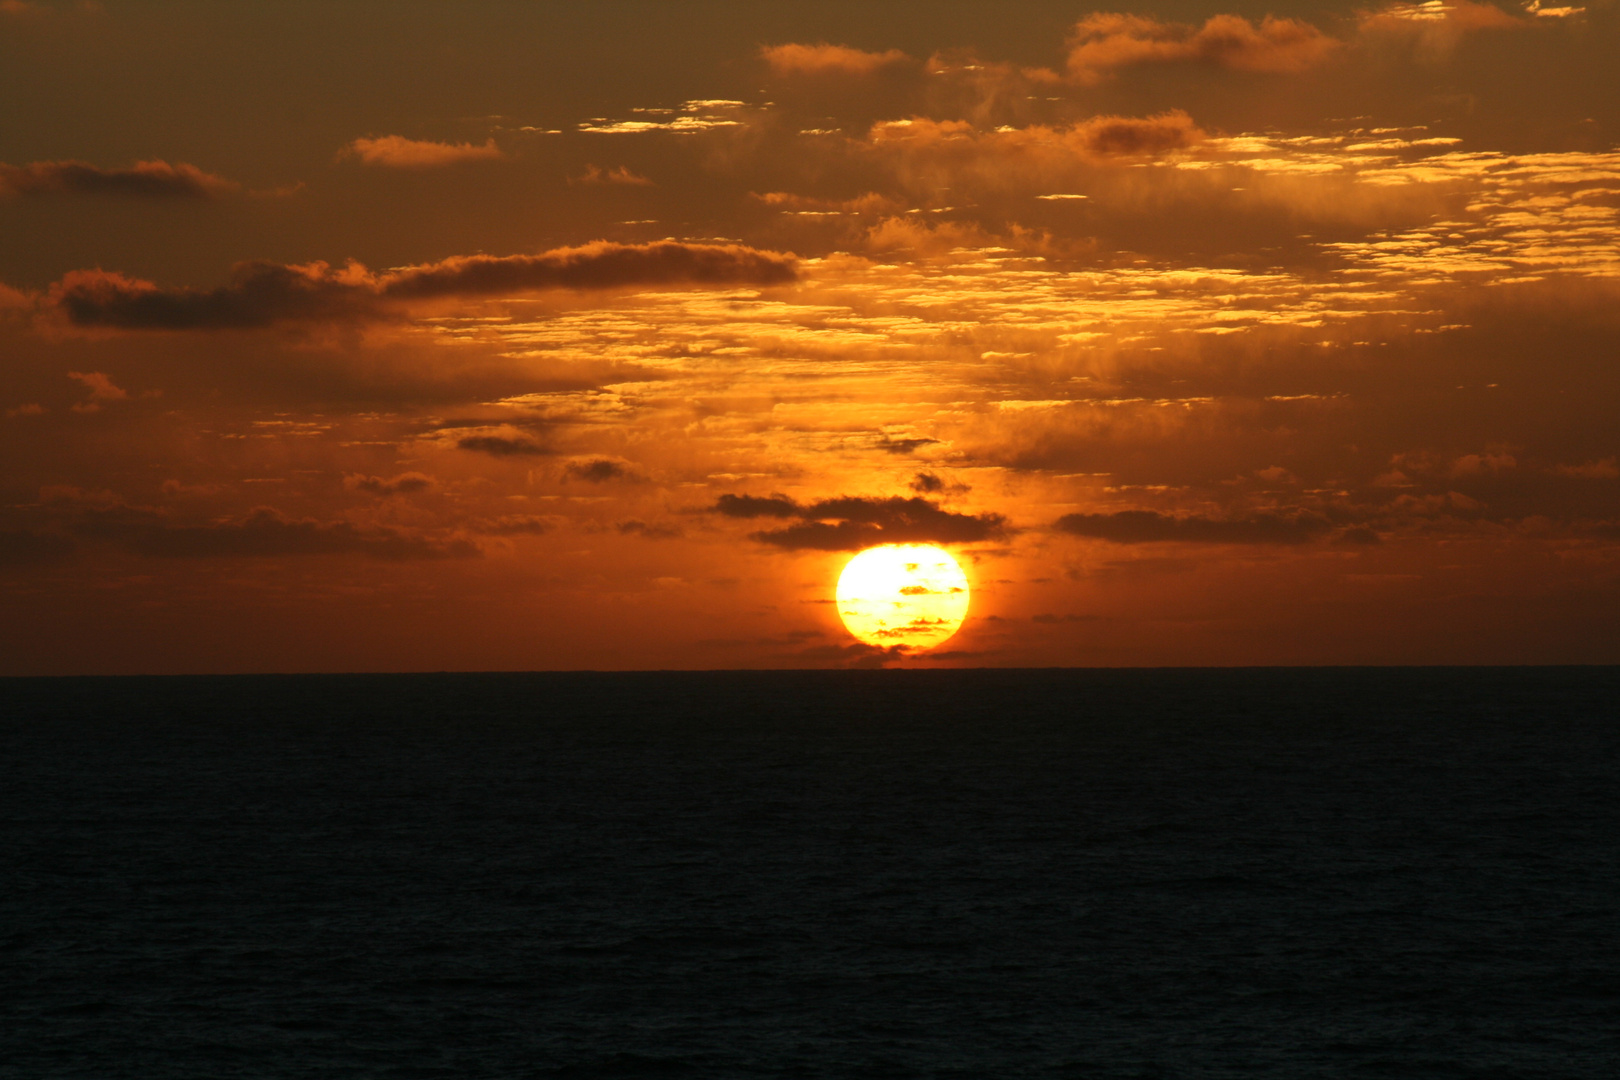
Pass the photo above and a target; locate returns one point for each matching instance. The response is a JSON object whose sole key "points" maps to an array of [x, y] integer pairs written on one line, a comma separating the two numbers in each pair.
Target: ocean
{"points": [[974, 874]]}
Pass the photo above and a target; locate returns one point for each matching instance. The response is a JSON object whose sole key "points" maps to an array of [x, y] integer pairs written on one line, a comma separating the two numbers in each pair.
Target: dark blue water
{"points": [[1357, 873]]}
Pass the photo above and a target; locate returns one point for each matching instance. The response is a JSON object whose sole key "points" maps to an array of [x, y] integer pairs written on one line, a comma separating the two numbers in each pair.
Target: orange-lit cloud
{"points": [[621, 175], [1096, 138], [101, 389], [143, 180], [794, 59], [808, 205], [1103, 43], [261, 293], [1223, 326], [398, 152]]}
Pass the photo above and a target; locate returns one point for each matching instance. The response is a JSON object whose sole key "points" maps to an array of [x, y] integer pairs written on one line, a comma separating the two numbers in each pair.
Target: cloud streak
{"points": [[143, 180], [850, 523], [262, 293], [823, 59], [398, 152]]}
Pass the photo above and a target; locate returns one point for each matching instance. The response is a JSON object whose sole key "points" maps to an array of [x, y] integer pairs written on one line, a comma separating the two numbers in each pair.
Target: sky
{"points": [[487, 336]]}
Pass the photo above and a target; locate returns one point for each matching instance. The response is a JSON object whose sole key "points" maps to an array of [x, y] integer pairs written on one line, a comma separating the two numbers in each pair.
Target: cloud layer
{"points": [[262, 293], [851, 523]]}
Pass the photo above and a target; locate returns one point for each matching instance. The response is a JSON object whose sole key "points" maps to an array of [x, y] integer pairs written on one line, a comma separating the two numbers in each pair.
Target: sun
{"points": [[903, 594]]}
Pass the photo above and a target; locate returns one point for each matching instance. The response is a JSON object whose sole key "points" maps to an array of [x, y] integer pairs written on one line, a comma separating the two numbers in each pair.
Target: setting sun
{"points": [[903, 594]]}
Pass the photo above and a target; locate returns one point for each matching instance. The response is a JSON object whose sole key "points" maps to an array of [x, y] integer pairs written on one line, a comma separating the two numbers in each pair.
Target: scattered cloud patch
{"points": [[101, 387]]}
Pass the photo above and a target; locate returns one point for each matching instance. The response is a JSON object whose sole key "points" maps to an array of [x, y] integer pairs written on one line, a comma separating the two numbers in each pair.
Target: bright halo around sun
{"points": [[903, 594]]}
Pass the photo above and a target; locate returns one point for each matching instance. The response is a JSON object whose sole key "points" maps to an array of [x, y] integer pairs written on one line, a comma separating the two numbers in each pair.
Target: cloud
{"points": [[1604, 469], [647, 530], [1147, 527], [793, 59], [398, 152], [850, 523], [927, 483], [143, 180], [101, 389], [597, 470], [266, 532], [1104, 42], [1037, 154], [22, 547], [402, 484], [622, 175], [501, 445], [262, 293], [810, 206]]}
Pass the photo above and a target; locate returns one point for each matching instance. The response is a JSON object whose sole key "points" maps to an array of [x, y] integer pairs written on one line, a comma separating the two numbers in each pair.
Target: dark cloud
{"points": [[21, 547], [851, 523], [857, 654], [596, 471], [903, 446], [601, 265], [267, 532], [1104, 42], [404, 483], [647, 530], [143, 180], [1145, 526], [263, 293], [501, 445], [927, 483]]}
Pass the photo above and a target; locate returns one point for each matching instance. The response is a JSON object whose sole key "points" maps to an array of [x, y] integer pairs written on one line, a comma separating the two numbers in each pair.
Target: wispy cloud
{"points": [[262, 293], [823, 59], [398, 152], [143, 180]]}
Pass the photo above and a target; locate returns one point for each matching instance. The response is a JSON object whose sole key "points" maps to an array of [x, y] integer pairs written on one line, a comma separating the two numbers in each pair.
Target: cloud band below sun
{"points": [[262, 293]]}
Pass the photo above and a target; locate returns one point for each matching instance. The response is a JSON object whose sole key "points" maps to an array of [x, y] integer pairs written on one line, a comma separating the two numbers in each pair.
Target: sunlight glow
{"points": [[903, 594]]}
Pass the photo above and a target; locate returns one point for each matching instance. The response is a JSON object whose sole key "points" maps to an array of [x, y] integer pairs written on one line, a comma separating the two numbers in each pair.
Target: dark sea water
{"points": [[990, 874]]}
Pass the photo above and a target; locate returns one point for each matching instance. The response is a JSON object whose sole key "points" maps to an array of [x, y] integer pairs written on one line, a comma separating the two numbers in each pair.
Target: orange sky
{"points": [[486, 336]]}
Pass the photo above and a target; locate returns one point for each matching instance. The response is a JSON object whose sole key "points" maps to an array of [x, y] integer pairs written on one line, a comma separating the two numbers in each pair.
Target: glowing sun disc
{"points": [[903, 594]]}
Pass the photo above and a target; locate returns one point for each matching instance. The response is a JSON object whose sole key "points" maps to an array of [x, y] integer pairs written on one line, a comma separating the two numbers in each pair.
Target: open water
{"points": [[975, 874]]}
